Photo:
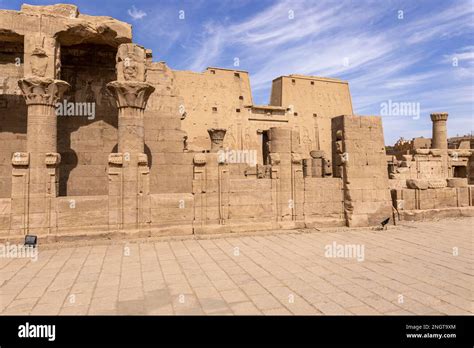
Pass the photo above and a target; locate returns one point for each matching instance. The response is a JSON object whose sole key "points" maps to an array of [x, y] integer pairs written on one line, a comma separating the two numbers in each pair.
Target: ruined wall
{"points": [[313, 101], [359, 157], [170, 166]]}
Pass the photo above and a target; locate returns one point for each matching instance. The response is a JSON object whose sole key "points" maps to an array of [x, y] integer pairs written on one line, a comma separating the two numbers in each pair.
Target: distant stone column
{"points": [[217, 138], [440, 134], [131, 93]]}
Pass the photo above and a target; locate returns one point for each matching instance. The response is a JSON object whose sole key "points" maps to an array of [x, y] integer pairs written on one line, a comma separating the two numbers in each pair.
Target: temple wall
{"points": [[448, 197], [313, 102], [214, 98], [5, 211], [170, 167], [359, 152], [84, 142], [12, 109], [324, 200], [218, 98], [148, 161], [251, 199]]}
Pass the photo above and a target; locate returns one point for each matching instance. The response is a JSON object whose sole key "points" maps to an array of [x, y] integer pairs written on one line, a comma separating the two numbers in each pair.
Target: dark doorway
{"points": [[265, 148]]}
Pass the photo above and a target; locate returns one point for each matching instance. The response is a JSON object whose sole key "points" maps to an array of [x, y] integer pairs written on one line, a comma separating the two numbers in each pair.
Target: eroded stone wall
{"points": [[359, 157], [12, 108]]}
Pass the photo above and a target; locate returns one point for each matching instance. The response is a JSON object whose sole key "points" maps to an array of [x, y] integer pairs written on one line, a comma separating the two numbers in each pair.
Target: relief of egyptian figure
{"points": [[130, 61], [39, 62]]}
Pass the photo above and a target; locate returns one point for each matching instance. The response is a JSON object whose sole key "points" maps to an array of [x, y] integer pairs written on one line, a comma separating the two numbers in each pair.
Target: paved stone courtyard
{"points": [[414, 268]]}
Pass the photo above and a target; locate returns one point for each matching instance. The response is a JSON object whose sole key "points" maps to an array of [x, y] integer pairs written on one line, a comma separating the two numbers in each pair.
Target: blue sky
{"points": [[421, 55]]}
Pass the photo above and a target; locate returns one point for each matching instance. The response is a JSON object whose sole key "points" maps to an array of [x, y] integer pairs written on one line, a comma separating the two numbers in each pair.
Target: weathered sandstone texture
{"points": [[96, 139]]}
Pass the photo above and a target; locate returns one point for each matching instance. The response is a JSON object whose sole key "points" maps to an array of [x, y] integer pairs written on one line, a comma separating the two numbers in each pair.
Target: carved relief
{"points": [[199, 159], [39, 62], [131, 60], [57, 60], [116, 158], [274, 159], [21, 159], [217, 138], [52, 159], [296, 158], [142, 159], [306, 140]]}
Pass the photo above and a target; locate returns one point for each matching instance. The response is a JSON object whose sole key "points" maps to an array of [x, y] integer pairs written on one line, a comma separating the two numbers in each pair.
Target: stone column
{"points": [[131, 93], [217, 138], [440, 134], [41, 95]]}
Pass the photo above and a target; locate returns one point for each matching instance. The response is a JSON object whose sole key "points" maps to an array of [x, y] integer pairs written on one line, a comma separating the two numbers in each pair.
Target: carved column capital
{"points": [[131, 94], [217, 138], [439, 116], [42, 91]]}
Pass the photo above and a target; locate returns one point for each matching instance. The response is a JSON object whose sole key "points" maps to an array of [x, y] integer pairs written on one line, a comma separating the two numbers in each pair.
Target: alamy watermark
{"points": [[345, 251], [393, 108], [13, 251], [238, 156], [85, 109]]}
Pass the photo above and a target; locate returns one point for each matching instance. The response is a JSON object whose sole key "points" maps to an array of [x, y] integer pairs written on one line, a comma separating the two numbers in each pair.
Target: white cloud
{"points": [[398, 60], [135, 13]]}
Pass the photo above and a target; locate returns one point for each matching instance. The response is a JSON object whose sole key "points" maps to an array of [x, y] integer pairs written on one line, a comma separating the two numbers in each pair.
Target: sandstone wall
{"points": [[84, 144], [359, 157], [222, 98], [313, 101], [448, 197], [170, 167], [324, 201], [214, 99], [12, 109]]}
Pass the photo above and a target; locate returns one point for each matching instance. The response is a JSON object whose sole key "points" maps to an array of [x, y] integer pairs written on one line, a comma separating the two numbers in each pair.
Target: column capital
{"points": [[42, 91], [217, 138], [132, 94], [439, 116]]}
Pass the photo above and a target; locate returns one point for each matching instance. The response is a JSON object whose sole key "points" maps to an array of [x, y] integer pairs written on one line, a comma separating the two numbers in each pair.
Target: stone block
{"points": [[436, 183], [457, 182], [417, 184]]}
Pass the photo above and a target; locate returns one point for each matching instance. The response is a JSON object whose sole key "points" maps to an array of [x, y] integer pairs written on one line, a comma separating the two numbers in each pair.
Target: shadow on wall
{"points": [[86, 137]]}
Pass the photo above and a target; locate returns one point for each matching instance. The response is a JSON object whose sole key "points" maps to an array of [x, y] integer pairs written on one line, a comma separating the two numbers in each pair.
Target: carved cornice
{"points": [[42, 91], [21, 159], [115, 158], [132, 94], [52, 159], [199, 159], [142, 159]]}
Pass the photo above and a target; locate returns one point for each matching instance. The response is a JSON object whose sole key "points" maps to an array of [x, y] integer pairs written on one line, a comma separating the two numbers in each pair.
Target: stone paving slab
{"points": [[414, 268]]}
